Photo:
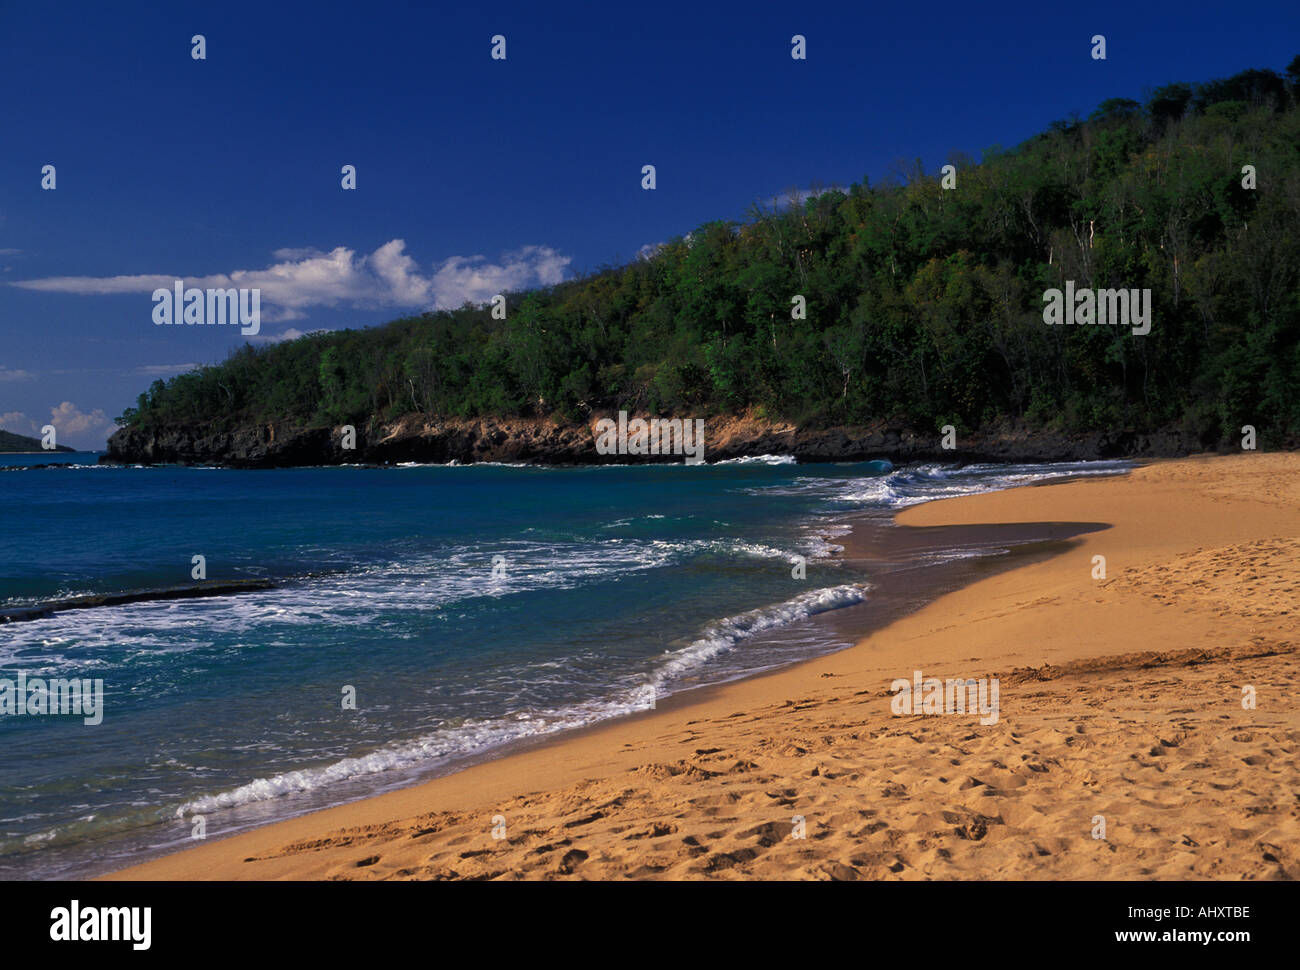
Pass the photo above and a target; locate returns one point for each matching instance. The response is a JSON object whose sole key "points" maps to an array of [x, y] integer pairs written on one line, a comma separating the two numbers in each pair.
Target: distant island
{"points": [[11, 443], [853, 323]]}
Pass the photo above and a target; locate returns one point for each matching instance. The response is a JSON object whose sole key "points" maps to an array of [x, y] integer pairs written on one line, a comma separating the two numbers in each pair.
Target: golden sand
{"points": [[1121, 703]]}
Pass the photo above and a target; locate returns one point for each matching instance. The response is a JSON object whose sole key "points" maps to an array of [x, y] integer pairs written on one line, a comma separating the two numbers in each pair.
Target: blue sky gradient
{"points": [[475, 175]]}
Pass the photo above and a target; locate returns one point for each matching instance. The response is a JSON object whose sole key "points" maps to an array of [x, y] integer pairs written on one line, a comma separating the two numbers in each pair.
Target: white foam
{"points": [[472, 736], [759, 460], [427, 752], [915, 484], [724, 635], [424, 584]]}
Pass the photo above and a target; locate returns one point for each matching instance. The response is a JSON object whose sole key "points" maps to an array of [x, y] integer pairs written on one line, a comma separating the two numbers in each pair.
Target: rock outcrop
{"points": [[418, 438]]}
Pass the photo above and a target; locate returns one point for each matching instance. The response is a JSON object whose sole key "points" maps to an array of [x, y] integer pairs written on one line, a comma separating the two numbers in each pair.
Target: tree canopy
{"points": [[924, 304]]}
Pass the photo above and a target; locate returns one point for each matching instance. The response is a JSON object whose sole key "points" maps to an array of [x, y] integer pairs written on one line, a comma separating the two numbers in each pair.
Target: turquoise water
{"points": [[465, 607]]}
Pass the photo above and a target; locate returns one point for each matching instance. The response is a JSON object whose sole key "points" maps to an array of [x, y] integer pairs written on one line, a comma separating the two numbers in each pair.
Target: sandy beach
{"points": [[1158, 704]]}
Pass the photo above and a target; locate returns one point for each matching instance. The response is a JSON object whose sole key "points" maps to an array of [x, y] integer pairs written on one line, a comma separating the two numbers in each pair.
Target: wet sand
{"points": [[1122, 746]]}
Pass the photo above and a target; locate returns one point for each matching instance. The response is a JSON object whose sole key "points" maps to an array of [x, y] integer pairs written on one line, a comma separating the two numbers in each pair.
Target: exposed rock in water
{"points": [[197, 591]]}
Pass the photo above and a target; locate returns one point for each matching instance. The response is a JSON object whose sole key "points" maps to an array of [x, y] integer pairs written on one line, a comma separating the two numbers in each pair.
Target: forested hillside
{"points": [[924, 304], [20, 443]]}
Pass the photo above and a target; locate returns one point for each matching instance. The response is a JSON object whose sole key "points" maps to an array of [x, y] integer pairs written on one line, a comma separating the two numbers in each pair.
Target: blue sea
{"points": [[463, 608]]}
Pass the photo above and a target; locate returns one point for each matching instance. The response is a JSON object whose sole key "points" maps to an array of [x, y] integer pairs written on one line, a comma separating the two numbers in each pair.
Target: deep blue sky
{"points": [[492, 174]]}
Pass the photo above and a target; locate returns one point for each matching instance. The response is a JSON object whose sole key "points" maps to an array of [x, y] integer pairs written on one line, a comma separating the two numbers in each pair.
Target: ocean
{"points": [[411, 619]]}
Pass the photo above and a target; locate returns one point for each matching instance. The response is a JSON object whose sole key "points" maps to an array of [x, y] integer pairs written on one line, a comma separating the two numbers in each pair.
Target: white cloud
{"points": [[293, 333], [305, 278], [79, 429], [73, 427], [18, 423], [472, 279], [795, 197], [14, 375], [162, 370], [648, 250]]}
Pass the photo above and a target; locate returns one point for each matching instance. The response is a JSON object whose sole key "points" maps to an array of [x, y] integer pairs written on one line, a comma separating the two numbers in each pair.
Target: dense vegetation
{"points": [[923, 304], [10, 442]]}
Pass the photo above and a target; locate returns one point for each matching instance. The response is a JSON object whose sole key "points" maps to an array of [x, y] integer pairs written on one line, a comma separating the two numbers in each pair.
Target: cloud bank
{"points": [[305, 278], [83, 430]]}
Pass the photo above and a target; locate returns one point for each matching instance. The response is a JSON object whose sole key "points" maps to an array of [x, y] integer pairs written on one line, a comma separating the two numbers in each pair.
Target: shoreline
{"points": [[873, 543], [578, 787], [542, 441]]}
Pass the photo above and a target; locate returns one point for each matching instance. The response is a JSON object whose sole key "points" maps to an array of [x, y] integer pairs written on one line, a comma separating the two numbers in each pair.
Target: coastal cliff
{"points": [[868, 318], [417, 438]]}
